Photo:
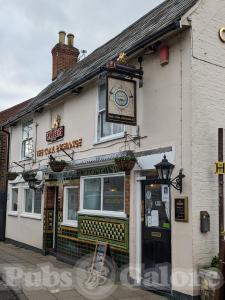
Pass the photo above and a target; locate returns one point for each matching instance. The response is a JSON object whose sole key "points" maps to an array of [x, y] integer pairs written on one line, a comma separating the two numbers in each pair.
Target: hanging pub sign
{"points": [[121, 101]]}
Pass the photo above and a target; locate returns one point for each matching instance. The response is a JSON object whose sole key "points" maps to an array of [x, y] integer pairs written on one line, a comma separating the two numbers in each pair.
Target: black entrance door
{"points": [[156, 236]]}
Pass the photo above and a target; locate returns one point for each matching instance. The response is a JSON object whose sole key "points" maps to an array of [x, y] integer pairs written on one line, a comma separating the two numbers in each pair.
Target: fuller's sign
{"points": [[121, 101], [55, 134]]}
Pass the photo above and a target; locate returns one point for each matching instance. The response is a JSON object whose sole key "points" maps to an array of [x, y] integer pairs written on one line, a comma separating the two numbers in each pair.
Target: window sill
{"points": [[31, 216], [13, 213], [103, 214], [109, 138], [68, 224]]}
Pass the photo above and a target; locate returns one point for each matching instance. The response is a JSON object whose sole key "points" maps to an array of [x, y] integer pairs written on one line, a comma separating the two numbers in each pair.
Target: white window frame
{"points": [[12, 212], [66, 222], [28, 139], [99, 138], [30, 215], [101, 212]]}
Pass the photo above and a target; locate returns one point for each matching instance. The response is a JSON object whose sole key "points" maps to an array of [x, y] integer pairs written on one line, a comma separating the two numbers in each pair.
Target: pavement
{"points": [[33, 276], [6, 293]]}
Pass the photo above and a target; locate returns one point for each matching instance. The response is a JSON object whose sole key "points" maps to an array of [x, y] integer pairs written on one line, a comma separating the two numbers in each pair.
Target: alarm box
{"points": [[204, 222]]}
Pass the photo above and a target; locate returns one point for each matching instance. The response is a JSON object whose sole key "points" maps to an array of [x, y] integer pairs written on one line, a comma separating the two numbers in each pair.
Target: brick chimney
{"points": [[64, 56]]}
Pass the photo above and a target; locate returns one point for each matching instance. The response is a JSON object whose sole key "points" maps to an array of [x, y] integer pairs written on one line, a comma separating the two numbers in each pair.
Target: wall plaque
{"points": [[181, 209], [222, 34], [121, 101]]}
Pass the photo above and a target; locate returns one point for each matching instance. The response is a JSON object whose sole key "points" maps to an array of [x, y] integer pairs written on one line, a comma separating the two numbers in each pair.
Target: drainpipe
{"points": [[4, 204]]}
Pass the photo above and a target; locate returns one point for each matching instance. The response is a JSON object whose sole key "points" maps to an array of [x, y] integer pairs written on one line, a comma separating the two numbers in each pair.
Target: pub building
{"points": [[136, 123]]}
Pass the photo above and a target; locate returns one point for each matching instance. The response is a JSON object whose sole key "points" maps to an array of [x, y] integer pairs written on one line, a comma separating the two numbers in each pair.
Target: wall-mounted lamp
{"points": [[164, 170]]}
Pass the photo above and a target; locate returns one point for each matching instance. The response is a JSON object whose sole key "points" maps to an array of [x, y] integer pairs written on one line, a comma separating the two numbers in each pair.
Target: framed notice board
{"points": [[181, 209]]}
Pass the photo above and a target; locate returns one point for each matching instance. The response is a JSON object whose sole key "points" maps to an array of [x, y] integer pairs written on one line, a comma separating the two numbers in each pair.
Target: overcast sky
{"points": [[29, 30]]}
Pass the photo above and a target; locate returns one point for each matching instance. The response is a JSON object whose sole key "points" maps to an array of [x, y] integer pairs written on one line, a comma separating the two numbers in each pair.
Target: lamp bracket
{"points": [[135, 139], [36, 184], [21, 166], [70, 156], [177, 182]]}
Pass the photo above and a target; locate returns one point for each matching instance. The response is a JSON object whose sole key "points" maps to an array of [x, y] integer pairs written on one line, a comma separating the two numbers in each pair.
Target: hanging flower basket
{"points": [[29, 175], [57, 165], [126, 162], [12, 175]]}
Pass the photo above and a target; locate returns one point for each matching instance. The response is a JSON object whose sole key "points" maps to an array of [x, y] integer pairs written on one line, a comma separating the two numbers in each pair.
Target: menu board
{"points": [[99, 256], [181, 209]]}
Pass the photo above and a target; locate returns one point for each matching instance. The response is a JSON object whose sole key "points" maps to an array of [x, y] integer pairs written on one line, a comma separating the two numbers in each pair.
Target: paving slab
{"points": [[32, 262], [5, 292]]}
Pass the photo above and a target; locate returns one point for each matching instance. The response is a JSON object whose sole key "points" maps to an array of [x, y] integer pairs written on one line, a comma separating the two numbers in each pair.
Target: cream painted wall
{"points": [[208, 111], [21, 228]]}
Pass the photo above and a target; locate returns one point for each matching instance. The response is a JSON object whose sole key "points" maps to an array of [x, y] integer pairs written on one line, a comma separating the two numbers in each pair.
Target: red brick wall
{"points": [[5, 116], [3, 160], [64, 57]]}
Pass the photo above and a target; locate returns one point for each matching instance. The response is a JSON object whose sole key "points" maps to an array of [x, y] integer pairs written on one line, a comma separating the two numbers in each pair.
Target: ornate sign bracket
{"points": [[124, 70]]}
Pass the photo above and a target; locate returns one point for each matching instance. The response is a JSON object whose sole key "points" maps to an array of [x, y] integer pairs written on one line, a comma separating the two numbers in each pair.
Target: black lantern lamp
{"points": [[31, 183], [164, 170]]}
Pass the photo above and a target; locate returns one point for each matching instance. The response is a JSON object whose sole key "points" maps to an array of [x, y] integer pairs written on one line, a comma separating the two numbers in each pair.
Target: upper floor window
{"points": [[27, 140], [106, 129]]}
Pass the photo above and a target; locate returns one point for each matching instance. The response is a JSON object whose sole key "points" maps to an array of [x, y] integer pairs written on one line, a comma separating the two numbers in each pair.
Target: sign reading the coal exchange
{"points": [[121, 101]]}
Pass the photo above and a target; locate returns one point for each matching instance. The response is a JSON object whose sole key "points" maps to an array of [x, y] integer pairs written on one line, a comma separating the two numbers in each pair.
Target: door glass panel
{"points": [[157, 206]]}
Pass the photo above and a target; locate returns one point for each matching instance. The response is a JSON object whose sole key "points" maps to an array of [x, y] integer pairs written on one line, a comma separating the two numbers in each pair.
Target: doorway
{"points": [[156, 236], [51, 220]]}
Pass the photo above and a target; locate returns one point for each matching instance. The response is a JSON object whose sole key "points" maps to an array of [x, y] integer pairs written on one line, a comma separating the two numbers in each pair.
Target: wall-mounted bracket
{"points": [[21, 166], [69, 155]]}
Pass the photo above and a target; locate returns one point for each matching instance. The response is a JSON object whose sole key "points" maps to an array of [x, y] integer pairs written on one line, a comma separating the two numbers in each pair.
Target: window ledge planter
{"points": [[126, 162], [57, 165], [29, 175], [12, 175]]}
